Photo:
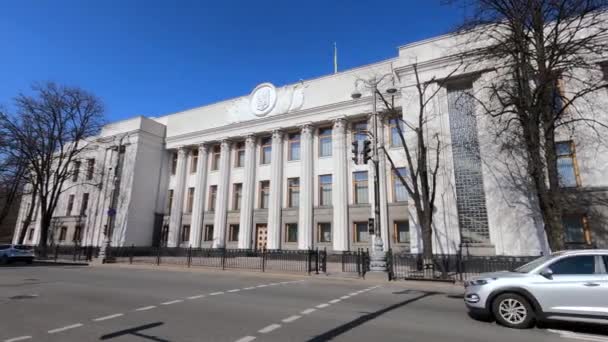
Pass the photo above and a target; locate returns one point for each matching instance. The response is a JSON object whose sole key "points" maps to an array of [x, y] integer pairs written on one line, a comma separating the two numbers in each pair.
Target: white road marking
{"points": [[107, 317], [172, 302], [197, 296], [20, 338], [579, 336], [216, 293], [291, 318], [272, 284], [249, 288], [146, 308], [246, 339], [334, 301], [73, 326], [344, 297], [307, 311], [353, 294], [269, 328], [263, 285], [321, 306], [235, 290]]}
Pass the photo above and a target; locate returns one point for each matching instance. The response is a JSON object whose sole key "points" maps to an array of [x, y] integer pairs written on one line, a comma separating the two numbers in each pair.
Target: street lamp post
{"points": [[378, 262]]}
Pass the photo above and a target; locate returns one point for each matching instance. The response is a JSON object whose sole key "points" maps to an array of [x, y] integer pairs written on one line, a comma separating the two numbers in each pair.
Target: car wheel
{"points": [[513, 311], [4, 260]]}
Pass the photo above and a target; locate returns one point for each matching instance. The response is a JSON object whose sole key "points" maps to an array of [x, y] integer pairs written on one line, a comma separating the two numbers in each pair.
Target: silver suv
{"points": [[10, 253], [569, 285]]}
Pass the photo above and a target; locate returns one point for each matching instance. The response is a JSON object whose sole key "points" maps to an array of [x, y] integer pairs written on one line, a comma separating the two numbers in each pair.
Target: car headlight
{"points": [[479, 282]]}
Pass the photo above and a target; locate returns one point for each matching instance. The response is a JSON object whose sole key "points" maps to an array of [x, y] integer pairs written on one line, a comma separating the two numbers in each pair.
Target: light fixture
{"points": [[391, 90], [355, 95]]}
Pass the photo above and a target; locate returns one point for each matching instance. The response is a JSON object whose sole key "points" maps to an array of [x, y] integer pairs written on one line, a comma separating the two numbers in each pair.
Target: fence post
{"points": [[189, 255], [342, 260], [224, 258], [158, 255], [460, 264], [324, 259], [264, 260], [56, 252], [308, 260], [317, 262], [131, 254]]}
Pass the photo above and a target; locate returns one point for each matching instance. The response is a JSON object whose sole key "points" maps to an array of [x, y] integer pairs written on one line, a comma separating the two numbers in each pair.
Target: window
{"points": [[63, 231], [361, 232], [399, 190], [294, 147], [266, 151], [208, 232], [291, 232], [215, 158], [68, 210], [77, 234], [325, 142], [164, 235], [190, 200], [580, 264], [402, 231], [566, 164], [360, 187], [174, 163], [360, 131], [293, 192], [185, 236], [169, 201], [90, 168], [85, 204], [193, 161], [212, 197], [30, 236], [75, 171], [239, 161], [325, 232], [394, 125], [325, 184], [576, 229], [237, 194], [264, 194], [233, 233]]}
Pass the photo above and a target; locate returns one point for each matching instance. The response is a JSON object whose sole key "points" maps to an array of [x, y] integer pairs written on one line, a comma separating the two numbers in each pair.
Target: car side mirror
{"points": [[547, 273]]}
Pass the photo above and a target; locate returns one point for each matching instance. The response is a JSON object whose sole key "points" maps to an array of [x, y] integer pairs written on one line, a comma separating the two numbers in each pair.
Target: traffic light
{"points": [[370, 226], [355, 151], [367, 151]]}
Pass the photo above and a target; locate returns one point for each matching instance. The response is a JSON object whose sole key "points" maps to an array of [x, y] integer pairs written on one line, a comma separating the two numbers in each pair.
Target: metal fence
{"points": [[66, 253], [296, 261], [449, 267], [348, 262]]}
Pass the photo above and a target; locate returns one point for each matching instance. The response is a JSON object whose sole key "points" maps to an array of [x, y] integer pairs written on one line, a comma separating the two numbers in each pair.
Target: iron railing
{"points": [[66, 253]]}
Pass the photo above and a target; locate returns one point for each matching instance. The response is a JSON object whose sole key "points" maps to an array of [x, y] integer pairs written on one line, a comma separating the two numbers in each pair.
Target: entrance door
{"points": [[261, 236]]}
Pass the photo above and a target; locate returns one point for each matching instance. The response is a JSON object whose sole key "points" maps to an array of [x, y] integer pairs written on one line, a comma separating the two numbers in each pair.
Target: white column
{"points": [[221, 205], [383, 184], [247, 195], [305, 222], [200, 185], [339, 187], [175, 220], [276, 188]]}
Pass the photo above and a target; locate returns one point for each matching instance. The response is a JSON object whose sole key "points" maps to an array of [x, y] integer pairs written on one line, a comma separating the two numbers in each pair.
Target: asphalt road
{"points": [[62, 303]]}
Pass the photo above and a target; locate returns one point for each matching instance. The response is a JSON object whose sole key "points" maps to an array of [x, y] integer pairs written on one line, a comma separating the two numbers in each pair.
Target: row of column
{"points": [[340, 224]]}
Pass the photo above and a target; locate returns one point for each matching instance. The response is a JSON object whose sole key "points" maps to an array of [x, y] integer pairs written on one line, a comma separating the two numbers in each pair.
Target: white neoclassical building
{"points": [[273, 169]]}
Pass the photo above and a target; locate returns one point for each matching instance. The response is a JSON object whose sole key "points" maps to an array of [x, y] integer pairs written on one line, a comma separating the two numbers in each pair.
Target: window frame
{"points": [[291, 190], [30, 235], [77, 234], [264, 191], [265, 143], [63, 232], [90, 168], [174, 163], [354, 187], [325, 136], [76, 170], [357, 133], [190, 200], [395, 180], [216, 155], [212, 197], [356, 237], [322, 186], [320, 232], [208, 233], [237, 189], [70, 205], [84, 204], [294, 139], [572, 157], [232, 237], [396, 231], [291, 225], [183, 237], [393, 124], [238, 150], [193, 161], [584, 220]]}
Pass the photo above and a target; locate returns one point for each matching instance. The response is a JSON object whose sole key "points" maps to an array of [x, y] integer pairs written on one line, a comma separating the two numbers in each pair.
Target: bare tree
{"points": [[50, 131], [422, 153], [545, 54], [12, 180]]}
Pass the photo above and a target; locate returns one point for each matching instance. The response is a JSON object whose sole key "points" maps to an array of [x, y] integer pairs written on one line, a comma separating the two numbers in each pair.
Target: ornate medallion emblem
{"points": [[263, 99]]}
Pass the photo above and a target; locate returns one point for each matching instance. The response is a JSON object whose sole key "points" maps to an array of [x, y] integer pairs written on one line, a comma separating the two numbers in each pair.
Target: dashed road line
{"points": [[105, 318], [216, 293], [308, 311], [246, 339], [145, 308], [291, 318], [269, 328], [263, 285], [334, 301], [249, 288], [344, 297], [172, 302], [196, 297], [58, 330], [353, 294], [321, 306], [235, 290], [20, 338]]}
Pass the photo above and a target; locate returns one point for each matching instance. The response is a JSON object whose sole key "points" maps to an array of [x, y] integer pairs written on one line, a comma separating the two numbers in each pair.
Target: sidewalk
{"points": [[447, 288]]}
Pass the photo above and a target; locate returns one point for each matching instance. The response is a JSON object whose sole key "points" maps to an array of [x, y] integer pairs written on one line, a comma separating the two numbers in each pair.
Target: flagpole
{"points": [[335, 58]]}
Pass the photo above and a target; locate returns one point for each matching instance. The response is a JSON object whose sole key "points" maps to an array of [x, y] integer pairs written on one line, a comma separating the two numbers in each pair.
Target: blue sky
{"points": [[157, 57]]}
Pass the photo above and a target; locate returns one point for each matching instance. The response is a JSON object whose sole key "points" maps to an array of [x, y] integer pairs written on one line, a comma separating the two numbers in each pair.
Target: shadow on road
{"points": [[368, 317], [136, 331], [583, 328]]}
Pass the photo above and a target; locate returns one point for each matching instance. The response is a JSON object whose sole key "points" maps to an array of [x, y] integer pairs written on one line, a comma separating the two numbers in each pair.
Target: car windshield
{"points": [[21, 247], [533, 264]]}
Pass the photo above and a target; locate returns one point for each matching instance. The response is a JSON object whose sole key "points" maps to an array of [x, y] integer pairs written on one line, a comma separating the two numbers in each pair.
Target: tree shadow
{"points": [[582, 328], [136, 331], [368, 317]]}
